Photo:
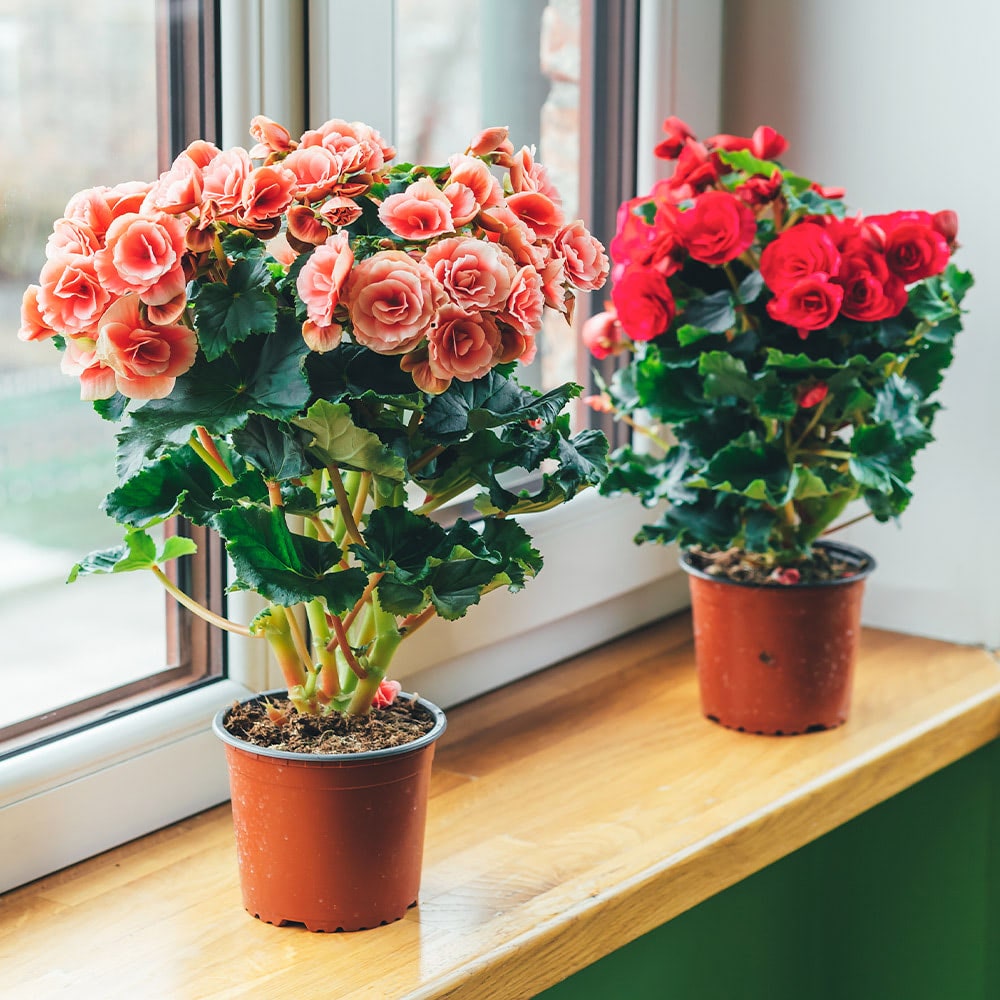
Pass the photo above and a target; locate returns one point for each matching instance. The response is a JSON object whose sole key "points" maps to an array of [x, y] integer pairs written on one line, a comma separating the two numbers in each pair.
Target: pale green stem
{"points": [[387, 639], [344, 505], [225, 476], [199, 609]]}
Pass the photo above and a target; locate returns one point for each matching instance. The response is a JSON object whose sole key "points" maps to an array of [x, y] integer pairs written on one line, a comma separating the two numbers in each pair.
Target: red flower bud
{"points": [[809, 396]]}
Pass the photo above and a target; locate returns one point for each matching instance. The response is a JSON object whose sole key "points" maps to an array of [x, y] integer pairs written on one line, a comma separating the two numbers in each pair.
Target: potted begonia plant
{"points": [[312, 349], [782, 358]]}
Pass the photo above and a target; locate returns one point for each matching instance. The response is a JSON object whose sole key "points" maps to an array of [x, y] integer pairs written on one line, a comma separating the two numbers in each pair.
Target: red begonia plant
{"points": [[793, 350]]}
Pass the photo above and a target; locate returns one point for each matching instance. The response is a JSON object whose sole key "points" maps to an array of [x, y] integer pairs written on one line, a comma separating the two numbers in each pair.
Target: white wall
{"points": [[895, 100]]}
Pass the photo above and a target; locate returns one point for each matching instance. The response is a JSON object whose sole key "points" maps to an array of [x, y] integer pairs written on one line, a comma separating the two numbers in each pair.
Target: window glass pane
{"points": [[462, 67], [78, 88]]}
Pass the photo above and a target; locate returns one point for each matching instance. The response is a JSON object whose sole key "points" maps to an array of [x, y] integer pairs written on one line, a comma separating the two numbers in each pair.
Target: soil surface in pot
{"points": [[283, 728], [744, 567]]}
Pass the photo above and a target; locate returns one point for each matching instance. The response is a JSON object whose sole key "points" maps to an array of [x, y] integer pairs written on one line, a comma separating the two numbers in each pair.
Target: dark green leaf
{"points": [[159, 489], [112, 408], [726, 376], [750, 288], [715, 313], [241, 244], [401, 542], [227, 314], [490, 401], [284, 567], [273, 447], [262, 375]]}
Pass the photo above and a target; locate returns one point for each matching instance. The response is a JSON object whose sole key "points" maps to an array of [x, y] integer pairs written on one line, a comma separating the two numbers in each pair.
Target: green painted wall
{"points": [[902, 903]]}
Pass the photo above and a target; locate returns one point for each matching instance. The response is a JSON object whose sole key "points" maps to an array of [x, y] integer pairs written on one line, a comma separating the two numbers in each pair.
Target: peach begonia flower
{"points": [[317, 171], [462, 346], [33, 326], [516, 236], [223, 181], [124, 199], [489, 140], [267, 192], [516, 346], [322, 278], [537, 211], [322, 338], [97, 380], [344, 138], [201, 152], [304, 229], [91, 208], [278, 247], [392, 300], [144, 254], [525, 302], [177, 190], [475, 174], [270, 135], [71, 297], [475, 274], [417, 363], [527, 175], [71, 236], [464, 206], [586, 262], [553, 276], [340, 211], [421, 212], [146, 359]]}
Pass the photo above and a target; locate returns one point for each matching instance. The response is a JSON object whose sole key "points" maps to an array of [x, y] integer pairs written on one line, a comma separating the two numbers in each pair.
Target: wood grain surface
{"points": [[570, 813]]}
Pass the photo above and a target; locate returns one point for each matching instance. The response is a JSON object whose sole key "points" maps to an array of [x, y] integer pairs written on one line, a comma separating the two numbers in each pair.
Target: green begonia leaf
{"points": [[272, 447], [490, 401], [261, 375], [337, 440], [178, 482], [227, 314], [138, 551], [284, 567]]}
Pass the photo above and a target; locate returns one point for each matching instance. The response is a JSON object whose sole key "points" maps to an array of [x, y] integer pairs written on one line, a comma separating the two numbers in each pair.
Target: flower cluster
{"points": [[442, 266], [792, 347], [308, 328]]}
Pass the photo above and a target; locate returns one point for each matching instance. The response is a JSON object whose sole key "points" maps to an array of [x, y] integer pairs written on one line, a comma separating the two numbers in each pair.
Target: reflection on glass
{"points": [[78, 88], [463, 66]]}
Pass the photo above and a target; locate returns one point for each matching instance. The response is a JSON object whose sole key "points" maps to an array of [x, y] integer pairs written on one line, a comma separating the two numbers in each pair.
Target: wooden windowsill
{"points": [[561, 827]]}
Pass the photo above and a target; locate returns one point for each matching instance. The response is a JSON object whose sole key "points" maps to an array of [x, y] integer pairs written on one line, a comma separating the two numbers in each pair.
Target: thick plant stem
{"points": [[410, 625], [387, 639], [363, 599], [279, 636], [299, 640], [199, 609], [345, 649], [364, 485], [344, 505]]}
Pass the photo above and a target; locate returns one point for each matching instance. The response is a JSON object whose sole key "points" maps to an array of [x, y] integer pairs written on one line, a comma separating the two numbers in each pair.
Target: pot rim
{"points": [[851, 553], [440, 724]]}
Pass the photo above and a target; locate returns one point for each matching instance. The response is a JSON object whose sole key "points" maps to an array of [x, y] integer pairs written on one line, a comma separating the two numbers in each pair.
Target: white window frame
{"points": [[79, 795]]}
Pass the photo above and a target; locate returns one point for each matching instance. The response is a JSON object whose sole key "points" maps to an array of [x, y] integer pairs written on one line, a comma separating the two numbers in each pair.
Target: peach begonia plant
{"points": [[307, 329]]}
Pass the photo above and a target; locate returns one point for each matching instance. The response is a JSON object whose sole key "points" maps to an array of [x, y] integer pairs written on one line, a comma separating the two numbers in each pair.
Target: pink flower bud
{"points": [[489, 140]]}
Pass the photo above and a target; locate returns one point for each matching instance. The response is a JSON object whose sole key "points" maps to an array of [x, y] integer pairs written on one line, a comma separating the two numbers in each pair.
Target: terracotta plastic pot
{"points": [[778, 659], [331, 841]]}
